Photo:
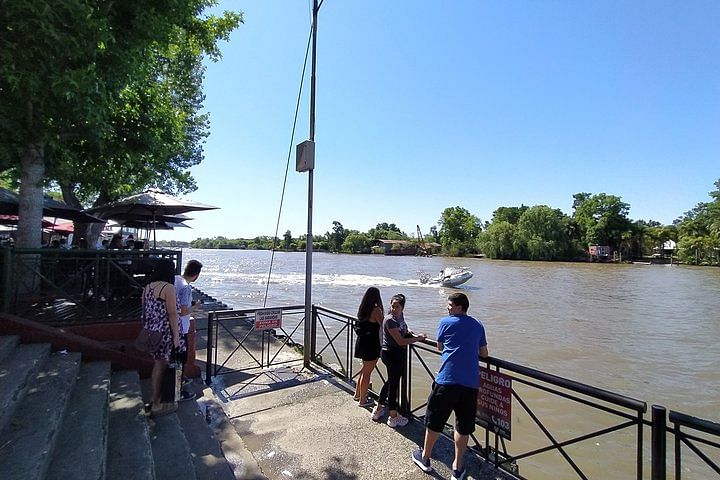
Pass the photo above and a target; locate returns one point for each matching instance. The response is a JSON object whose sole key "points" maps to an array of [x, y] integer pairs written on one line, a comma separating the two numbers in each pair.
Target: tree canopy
{"points": [[103, 98]]}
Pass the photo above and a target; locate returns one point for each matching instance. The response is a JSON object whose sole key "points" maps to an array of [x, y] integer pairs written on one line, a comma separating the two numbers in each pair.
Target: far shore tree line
{"points": [[527, 233]]}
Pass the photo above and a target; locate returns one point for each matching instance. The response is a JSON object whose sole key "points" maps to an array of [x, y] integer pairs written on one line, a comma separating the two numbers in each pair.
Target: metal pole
{"points": [[659, 440], [209, 349], [308, 354]]}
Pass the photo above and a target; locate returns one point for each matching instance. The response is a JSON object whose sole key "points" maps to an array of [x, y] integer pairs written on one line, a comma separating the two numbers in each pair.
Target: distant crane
{"points": [[422, 246]]}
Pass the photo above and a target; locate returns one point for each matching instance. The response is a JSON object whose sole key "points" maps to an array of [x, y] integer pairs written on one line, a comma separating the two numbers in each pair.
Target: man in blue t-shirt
{"points": [[461, 339]]}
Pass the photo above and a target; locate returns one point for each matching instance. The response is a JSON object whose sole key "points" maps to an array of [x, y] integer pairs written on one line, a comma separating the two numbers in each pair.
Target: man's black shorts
{"points": [[445, 399]]}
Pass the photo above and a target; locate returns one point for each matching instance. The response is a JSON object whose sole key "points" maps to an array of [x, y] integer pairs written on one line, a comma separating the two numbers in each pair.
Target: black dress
{"points": [[367, 343]]}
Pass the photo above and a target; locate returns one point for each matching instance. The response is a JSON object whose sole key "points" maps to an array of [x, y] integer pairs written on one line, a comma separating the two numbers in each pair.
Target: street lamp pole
{"points": [[309, 344]]}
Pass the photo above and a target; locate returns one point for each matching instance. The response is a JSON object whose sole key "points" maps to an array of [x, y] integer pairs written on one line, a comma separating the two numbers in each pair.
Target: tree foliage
{"points": [[601, 218], [459, 230], [535, 233], [102, 97]]}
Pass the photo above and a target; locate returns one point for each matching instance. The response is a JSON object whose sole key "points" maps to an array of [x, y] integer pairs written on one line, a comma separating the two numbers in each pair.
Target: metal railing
{"points": [[686, 431], [336, 341], [597, 412], [234, 345], [53, 285]]}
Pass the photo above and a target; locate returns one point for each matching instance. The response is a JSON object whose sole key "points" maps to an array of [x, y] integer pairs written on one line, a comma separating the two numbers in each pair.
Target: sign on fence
{"points": [[494, 402], [268, 318]]}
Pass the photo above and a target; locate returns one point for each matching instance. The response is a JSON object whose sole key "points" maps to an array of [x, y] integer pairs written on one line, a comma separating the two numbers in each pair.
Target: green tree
{"points": [[541, 234], [287, 243], [336, 238], [509, 214], [356, 242], [69, 69], [498, 240], [459, 230], [387, 232], [602, 219]]}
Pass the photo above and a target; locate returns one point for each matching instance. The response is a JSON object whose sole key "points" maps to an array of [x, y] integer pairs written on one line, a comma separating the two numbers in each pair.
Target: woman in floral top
{"points": [[160, 314]]}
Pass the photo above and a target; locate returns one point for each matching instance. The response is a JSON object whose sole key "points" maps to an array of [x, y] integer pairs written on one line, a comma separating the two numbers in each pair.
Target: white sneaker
{"points": [[399, 421], [377, 414]]}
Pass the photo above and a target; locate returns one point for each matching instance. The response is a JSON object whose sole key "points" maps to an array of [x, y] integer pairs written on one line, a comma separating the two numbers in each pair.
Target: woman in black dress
{"points": [[367, 342]]}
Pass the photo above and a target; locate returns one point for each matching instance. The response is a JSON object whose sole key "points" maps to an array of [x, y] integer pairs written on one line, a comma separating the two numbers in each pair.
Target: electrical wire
{"points": [[287, 167]]}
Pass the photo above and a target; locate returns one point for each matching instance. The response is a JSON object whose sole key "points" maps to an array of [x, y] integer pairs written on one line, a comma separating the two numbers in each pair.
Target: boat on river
{"points": [[448, 277]]}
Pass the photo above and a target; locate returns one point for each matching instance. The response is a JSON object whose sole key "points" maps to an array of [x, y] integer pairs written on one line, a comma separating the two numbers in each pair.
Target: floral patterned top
{"points": [[156, 318]]}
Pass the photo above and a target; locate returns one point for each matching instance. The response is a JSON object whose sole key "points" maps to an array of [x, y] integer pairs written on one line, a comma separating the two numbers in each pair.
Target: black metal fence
{"points": [[566, 429], [234, 345], [57, 286]]}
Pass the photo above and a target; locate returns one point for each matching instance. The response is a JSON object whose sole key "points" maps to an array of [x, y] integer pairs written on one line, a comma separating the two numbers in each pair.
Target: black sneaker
{"points": [[458, 474], [417, 456], [185, 395]]}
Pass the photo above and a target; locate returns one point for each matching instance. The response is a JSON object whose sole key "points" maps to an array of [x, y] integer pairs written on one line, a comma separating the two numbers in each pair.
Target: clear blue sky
{"points": [[427, 105]]}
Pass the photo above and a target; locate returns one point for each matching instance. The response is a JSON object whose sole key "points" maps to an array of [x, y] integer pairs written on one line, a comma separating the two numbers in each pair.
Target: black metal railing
{"points": [[560, 417], [334, 341], [234, 345], [56, 285], [687, 431]]}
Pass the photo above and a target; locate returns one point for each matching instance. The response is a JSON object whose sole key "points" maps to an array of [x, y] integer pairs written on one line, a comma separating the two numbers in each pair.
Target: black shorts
{"points": [[445, 399], [367, 347]]}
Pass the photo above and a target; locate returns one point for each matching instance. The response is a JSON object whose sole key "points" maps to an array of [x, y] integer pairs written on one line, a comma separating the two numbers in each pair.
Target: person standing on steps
{"points": [[160, 314], [186, 305], [461, 338], [396, 338]]}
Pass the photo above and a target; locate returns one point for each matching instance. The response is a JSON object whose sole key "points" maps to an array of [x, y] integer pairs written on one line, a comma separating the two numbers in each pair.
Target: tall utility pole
{"points": [[309, 344]]}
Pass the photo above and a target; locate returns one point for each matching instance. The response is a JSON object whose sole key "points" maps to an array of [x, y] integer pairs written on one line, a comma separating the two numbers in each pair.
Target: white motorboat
{"points": [[448, 277]]}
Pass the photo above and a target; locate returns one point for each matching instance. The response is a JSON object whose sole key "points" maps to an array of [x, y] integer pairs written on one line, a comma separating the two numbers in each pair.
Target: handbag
{"points": [[148, 341]]}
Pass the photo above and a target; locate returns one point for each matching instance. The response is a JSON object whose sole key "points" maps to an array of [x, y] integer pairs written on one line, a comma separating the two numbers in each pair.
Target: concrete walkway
{"points": [[290, 423]]}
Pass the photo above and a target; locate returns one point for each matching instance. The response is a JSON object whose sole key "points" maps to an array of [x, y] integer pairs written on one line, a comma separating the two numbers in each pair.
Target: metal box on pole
{"points": [[305, 156]]}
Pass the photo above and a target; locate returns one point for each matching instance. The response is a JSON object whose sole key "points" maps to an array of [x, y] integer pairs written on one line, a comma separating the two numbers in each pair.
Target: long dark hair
{"points": [[370, 300], [164, 271]]}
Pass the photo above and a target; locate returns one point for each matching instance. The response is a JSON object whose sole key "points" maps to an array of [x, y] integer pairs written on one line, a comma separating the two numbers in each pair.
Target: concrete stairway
{"points": [[64, 419]]}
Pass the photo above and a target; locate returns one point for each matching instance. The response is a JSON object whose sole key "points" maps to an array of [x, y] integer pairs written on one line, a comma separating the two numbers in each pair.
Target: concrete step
{"points": [[129, 453], [81, 449], [204, 452], [208, 457], [15, 373], [64, 420], [7, 345], [171, 452], [30, 435]]}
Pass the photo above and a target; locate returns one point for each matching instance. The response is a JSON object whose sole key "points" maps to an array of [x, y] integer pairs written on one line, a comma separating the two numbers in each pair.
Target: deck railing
{"points": [[79, 285], [562, 418]]}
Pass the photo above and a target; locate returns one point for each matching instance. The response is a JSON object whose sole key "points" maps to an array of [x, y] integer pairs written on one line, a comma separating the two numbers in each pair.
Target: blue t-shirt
{"points": [[461, 336]]}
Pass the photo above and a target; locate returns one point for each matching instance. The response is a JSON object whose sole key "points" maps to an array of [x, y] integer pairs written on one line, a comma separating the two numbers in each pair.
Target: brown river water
{"points": [[649, 332]]}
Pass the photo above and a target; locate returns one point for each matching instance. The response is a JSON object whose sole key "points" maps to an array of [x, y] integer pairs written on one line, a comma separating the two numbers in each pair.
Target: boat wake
{"points": [[317, 279]]}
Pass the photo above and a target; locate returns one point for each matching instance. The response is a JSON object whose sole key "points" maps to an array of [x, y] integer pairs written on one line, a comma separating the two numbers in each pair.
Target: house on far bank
{"points": [[666, 251], [406, 247], [599, 253]]}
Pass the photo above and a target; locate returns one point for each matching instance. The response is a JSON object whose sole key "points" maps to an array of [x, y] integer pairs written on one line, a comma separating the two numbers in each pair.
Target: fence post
{"points": [[209, 348], [659, 443], [405, 382]]}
